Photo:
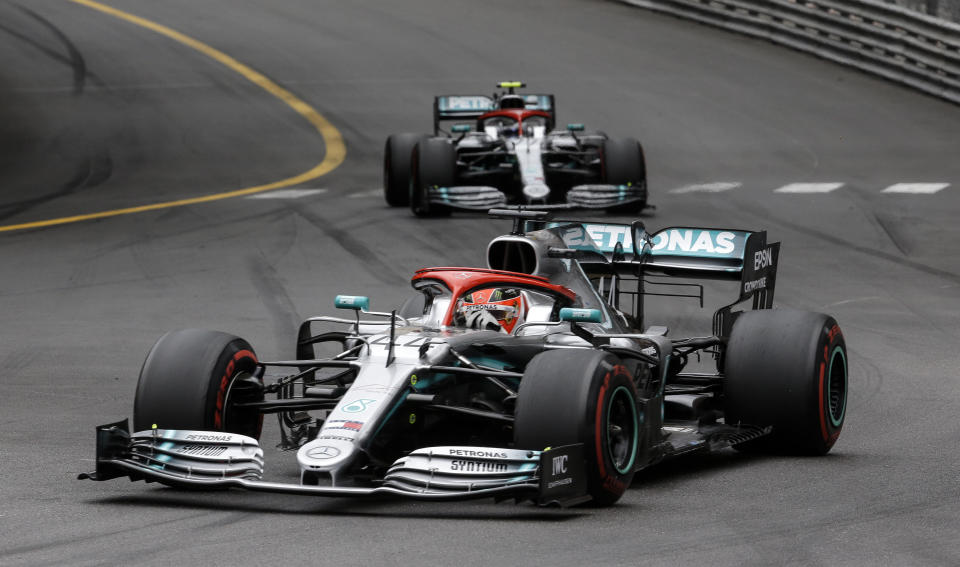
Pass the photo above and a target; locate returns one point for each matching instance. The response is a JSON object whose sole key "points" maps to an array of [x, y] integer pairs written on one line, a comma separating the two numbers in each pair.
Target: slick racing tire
{"points": [[434, 165], [623, 163], [191, 379], [581, 396], [397, 170], [788, 370]]}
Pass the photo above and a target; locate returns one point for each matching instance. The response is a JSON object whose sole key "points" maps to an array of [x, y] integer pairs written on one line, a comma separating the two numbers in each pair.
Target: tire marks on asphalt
{"points": [[366, 256], [899, 260], [335, 150], [273, 293], [91, 172], [74, 58]]}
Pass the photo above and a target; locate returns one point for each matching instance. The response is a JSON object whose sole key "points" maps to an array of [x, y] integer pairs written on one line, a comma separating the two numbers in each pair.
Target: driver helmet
{"points": [[495, 309], [512, 101]]}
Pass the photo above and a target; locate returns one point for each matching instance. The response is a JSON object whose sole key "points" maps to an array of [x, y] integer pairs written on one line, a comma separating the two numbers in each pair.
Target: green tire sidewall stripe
{"points": [[636, 432], [837, 421]]}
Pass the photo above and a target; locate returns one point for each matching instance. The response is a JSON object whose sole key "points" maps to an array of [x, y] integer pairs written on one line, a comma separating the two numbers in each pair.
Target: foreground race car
{"points": [[487, 151], [534, 378]]}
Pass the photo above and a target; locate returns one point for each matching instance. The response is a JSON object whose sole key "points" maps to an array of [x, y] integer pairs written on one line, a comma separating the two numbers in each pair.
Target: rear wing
{"points": [[461, 108], [682, 252]]}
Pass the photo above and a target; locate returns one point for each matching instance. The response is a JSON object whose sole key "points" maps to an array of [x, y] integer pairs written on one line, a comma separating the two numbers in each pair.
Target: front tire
{"points": [[434, 165], [623, 163], [397, 168], [787, 369], [189, 380], [582, 396]]}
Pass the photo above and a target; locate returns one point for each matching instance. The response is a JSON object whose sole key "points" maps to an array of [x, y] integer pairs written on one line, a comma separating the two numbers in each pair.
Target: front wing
{"points": [[215, 460], [593, 196]]}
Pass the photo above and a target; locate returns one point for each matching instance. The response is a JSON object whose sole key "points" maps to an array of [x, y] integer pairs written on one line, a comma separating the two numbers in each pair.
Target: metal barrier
{"points": [[886, 40], [943, 9]]}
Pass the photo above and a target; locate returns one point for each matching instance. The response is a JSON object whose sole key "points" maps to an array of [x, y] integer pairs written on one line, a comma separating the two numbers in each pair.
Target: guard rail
{"points": [[883, 39]]}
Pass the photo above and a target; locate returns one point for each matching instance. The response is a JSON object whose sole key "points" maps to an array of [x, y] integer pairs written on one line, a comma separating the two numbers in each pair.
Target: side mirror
{"points": [[355, 302], [460, 128], [576, 127], [581, 315]]}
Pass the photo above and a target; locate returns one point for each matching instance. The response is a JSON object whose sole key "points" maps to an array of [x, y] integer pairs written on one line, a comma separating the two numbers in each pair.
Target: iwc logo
{"points": [[324, 452]]}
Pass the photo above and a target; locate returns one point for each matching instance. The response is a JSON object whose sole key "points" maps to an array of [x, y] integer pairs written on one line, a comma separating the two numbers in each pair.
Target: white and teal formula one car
{"points": [[534, 378], [488, 151]]}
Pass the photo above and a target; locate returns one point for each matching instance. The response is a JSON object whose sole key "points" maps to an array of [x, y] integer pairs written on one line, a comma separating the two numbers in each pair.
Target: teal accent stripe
{"points": [[636, 429], [843, 411]]}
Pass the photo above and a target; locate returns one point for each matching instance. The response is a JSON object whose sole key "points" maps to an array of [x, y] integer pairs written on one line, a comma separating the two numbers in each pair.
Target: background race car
{"points": [[488, 151]]}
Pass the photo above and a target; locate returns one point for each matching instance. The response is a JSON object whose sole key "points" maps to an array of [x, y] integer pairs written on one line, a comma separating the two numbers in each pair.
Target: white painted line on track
{"points": [[855, 300], [716, 187], [366, 194], [808, 188], [288, 194], [916, 188]]}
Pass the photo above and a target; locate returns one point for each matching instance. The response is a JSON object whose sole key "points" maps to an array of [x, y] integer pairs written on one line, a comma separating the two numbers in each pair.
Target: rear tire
{"points": [[397, 169], [623, 163], [582, 396], [787, 369], [434, 165], [189, 381]]}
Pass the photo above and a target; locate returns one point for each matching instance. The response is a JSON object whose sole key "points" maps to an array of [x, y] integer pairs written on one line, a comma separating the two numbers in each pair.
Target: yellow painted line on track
{"points": [[335, 149]]}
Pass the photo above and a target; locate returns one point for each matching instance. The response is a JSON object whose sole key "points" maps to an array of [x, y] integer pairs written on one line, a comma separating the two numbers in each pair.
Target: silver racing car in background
{"points": [[535, 378], [505, 149]]}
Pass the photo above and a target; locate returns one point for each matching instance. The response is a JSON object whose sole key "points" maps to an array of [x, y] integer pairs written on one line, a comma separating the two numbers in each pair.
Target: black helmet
{"points": [[512, 101]]}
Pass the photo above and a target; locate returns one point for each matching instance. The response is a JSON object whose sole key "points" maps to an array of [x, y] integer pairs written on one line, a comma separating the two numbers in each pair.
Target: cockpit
{"points": [[501, 126], [486, 299], [506, 126]]}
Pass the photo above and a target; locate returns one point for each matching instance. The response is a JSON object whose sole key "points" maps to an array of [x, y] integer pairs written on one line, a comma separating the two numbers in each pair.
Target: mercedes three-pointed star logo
{"points": [[324, 452]]}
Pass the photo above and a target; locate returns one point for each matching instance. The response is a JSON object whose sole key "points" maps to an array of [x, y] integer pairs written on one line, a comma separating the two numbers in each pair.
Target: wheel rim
{"points": [[622, 430], [236, 420], [837, 387]]}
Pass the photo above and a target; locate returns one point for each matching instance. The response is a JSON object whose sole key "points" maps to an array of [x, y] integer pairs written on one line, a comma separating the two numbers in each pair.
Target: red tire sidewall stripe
{"points": [[225, 383], [600, 414], [823, 416], [834, 335], [611, 483]]}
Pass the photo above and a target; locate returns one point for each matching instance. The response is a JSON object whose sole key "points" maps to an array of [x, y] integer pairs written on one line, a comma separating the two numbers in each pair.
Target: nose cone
{"points": [[536, 191], [324, 454]]}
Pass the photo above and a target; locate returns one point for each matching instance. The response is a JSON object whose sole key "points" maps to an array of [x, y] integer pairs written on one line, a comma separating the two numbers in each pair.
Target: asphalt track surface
{"points": [[98, 114]]}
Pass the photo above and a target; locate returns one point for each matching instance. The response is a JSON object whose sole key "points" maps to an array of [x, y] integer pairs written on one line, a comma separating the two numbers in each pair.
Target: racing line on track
{"points": [[335, 150]]}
